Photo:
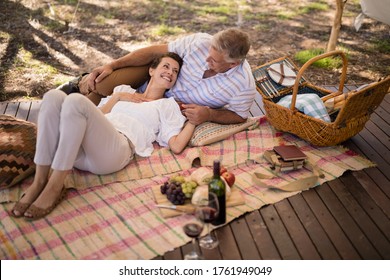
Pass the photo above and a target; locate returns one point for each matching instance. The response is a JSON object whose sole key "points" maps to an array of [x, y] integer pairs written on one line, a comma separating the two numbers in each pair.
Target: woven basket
{"points": [[350, 120]]}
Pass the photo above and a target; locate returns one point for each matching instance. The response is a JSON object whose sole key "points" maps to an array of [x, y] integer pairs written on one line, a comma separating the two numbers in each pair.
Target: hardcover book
{"points": [[289, 152]]}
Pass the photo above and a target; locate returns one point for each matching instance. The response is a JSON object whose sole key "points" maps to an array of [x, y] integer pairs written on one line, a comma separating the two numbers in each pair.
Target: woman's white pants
{"points": [[73, 132]]}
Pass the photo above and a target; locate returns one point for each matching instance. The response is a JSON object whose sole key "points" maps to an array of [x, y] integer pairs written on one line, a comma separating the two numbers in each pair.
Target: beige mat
{"points": [[120, 220]]}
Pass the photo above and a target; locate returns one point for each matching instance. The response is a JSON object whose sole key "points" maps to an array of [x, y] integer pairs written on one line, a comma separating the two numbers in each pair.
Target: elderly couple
{"points": [[215, 84]]}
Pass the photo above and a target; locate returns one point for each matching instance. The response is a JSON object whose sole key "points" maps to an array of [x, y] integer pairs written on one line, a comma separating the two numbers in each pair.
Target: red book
{"points": [[289, 152]]}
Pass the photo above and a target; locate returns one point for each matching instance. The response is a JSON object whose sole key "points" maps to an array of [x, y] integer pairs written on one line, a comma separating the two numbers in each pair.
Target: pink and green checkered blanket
{"points": [[118, 219]]}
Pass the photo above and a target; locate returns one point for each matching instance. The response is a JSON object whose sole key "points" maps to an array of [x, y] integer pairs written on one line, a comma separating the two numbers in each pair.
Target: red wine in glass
{"points": [[192, 230], [209, 214]]}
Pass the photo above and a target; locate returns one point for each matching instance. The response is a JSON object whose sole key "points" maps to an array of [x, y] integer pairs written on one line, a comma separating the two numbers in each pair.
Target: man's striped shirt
{"points": [[234, 90]]}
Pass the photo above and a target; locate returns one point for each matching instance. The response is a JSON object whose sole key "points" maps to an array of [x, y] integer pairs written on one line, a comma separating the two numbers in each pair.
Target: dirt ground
{"points": [[45, 43]]}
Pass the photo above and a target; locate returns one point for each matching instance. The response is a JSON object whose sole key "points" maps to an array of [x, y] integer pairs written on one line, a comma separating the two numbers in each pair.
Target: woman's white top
{"points": [[146, 122]]}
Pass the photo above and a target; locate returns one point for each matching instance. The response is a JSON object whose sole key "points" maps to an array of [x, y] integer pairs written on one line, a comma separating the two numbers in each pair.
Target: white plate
{"points": [[275, 75]]}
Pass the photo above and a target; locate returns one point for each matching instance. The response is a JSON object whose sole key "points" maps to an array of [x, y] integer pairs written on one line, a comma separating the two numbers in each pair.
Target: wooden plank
{"points": [[23, 110], [374, 173], [187, 248], [382, 182], [380, 123], [34, 110], [3, 107], [379, 134], [350, 87], [297, 232], [244, 240], [378, 223], [383, 114], [12, 108], [173, 255], [261, 236], [212, 254], [341, 242], [380, 198], [387, 97], [385, 105], [255, 109], [228, 247], [376, 145], [369, 152], [279, 233], [314, 229], [343, 218], [331, 88], [259, 102]]}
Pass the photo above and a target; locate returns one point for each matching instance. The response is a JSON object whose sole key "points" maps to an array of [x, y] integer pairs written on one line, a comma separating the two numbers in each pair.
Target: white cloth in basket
{"points": [[309, 103]]}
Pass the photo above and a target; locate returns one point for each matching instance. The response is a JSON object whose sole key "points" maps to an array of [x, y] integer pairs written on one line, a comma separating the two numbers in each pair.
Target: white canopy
{"points": [[376, 9]]}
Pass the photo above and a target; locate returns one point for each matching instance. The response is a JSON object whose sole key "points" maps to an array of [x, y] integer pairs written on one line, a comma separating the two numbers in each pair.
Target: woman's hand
{"points": [[123, 96]]}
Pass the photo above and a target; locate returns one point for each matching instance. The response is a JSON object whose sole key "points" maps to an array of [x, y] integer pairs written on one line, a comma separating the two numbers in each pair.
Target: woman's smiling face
{"points": [[165, 74]]}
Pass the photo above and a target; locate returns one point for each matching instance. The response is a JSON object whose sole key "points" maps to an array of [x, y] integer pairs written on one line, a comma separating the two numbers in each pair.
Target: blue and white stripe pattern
{"points": [[234, 90]]}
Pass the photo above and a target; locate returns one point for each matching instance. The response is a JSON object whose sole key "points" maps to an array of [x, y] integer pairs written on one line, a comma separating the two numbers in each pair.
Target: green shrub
{"points": [[327, 62]]}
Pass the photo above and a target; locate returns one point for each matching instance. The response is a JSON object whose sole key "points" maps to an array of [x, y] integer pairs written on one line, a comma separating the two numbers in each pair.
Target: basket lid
{"points": [[282, 74], [276, 77]]}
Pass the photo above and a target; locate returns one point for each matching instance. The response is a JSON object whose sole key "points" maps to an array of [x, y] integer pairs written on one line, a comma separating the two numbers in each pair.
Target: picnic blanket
{"points": [[118, 219]]}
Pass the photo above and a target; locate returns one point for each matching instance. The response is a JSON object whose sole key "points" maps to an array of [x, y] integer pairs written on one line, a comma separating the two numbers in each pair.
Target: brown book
{"points": [[289, 152], [279, 165]]}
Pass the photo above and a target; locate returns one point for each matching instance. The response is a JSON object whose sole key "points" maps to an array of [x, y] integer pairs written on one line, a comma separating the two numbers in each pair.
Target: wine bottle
{"points": [[217, 186]]}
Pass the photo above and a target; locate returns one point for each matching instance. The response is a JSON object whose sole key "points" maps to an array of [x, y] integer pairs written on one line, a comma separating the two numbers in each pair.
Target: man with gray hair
{"points": [[215, 84]]}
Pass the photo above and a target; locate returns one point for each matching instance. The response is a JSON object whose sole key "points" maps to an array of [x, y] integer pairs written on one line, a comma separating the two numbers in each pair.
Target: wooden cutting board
{"points": [[234, 199]]}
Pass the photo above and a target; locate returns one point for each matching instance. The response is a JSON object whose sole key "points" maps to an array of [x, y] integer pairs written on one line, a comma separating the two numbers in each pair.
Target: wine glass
{"points": [[193, 229], [210, 211]]}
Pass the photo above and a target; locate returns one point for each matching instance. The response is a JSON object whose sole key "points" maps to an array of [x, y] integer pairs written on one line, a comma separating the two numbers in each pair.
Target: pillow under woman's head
{"points": [[208, 132]]}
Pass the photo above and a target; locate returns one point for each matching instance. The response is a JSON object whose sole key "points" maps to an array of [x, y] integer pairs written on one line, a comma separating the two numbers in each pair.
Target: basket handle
{"points": [[311, 61]]}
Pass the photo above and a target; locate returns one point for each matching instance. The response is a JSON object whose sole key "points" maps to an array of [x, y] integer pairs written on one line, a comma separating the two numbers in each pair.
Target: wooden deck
{"points": [[348, 218]]}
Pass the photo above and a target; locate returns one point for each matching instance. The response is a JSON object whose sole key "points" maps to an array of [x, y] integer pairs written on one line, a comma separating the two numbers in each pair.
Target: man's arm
{"points": [[197, 114], [138, 57]]}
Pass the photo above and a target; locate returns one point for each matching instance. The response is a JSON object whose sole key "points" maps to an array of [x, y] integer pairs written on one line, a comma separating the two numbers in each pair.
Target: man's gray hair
{"points": [[233, 42]]}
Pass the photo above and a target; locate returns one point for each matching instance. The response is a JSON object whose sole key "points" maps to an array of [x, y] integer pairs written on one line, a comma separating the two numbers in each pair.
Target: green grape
{"points": [[177, 178], [189, 188]]}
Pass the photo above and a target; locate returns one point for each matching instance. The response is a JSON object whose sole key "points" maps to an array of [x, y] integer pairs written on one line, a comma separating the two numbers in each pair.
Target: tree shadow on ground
{"points": [[104, 27], [21, 34]]}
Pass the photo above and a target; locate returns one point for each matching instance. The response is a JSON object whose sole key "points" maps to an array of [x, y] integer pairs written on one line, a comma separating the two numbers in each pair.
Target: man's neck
{"points": [[209, 73]]}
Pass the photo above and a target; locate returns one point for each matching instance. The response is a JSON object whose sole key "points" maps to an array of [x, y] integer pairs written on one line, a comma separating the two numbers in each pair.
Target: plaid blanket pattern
{"points": [[120, 220], [310, 104]]}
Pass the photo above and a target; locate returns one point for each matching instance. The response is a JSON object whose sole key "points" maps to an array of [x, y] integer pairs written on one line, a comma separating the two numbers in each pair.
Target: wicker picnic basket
{"points": [[347, 122]]}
